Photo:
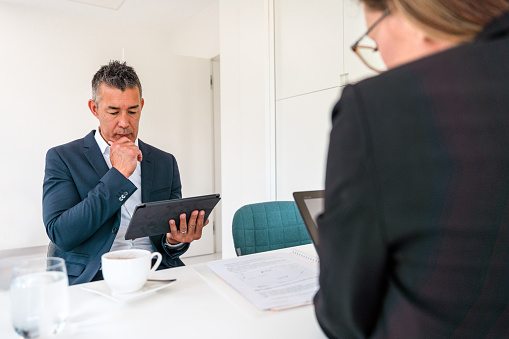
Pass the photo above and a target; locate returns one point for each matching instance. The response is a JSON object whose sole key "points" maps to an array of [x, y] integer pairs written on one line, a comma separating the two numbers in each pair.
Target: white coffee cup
{"points": [[127, 271]]}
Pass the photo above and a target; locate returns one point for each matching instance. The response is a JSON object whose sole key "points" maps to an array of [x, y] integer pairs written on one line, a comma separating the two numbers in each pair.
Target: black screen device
{"points": [[152, 218], [310, 205]]}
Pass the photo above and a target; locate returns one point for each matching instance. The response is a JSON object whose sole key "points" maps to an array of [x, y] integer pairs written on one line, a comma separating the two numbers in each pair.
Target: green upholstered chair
{"points": [[268, 226]]}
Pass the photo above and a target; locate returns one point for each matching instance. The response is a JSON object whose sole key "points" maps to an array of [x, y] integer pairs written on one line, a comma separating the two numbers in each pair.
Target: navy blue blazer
{"points": [[82, 199], [414, 239]]}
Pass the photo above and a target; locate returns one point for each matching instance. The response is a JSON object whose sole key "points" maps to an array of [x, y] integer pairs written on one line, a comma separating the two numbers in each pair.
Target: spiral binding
{"points": [[306, 257]]}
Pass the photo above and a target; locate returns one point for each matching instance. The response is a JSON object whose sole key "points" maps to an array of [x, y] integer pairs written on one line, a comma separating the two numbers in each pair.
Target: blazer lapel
{"points": [[93, 154], [147, 171]]}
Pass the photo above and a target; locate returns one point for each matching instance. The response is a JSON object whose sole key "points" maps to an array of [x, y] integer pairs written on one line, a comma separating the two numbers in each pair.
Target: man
{"points": [[92, 185]]}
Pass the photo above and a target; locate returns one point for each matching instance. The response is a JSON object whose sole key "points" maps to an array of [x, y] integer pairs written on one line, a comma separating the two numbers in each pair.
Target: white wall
{"points": [[245, 111], [198, 36], [313, 62], [308, 46], [216, 94], [354, 24], [47, 61], [302, 141], [308, 68]]}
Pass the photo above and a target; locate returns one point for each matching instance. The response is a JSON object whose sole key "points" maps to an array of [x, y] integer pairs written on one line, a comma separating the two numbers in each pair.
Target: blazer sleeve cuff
{"points": [[121, 187], [174, 251]]}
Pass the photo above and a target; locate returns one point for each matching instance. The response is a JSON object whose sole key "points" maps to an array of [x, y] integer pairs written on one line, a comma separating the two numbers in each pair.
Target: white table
{"points": [[198, 305]]}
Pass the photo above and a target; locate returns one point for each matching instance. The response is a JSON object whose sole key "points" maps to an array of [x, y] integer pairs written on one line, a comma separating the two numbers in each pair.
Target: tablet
{"points": [[310, 205], [152, 218]]}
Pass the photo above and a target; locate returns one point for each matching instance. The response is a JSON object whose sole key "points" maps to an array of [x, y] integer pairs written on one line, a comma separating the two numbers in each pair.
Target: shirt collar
{"points": [[103, 146]]}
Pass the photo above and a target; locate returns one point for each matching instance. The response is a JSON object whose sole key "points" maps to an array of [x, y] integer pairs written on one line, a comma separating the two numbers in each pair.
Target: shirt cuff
{"points": [[175, 247]]}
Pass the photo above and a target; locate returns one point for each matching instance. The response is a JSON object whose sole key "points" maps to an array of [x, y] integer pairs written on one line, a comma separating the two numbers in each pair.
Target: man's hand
{"points": [[124, 155], [189, 231]]}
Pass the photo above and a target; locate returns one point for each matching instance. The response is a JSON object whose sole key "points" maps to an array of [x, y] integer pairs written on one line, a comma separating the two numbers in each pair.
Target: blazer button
{"points": [[114, 230], [125, 194]]}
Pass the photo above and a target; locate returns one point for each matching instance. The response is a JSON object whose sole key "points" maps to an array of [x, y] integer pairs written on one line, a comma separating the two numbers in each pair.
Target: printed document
{"points": [[271, 280]]}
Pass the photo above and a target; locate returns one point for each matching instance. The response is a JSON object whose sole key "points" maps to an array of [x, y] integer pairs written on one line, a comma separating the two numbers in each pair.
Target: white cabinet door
{"points": [[312, 51], [355, 27], [308, 45], [302, 138]]}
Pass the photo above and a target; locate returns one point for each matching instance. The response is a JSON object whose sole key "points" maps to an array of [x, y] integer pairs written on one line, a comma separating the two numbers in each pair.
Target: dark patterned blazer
{"points": [[82, 200], [414, 239]]}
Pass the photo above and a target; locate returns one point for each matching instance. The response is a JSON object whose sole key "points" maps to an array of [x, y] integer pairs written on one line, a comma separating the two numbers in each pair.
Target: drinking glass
{"points": [[39, 297]]}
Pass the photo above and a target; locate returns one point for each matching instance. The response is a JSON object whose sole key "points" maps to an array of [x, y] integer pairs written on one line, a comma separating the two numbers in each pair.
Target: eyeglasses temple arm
{"points": [[385, 13]]}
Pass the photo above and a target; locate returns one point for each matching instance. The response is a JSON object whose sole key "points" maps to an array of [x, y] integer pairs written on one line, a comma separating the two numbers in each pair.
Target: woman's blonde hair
{"points": [[449, 20]]}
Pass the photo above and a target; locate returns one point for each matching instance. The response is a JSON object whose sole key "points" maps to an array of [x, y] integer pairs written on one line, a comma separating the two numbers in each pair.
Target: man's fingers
{"points": [[183, 224], [124, 156], [193, 220], [189, 229], [199, 224], [173, 226], [201, 218], [170, 237]]}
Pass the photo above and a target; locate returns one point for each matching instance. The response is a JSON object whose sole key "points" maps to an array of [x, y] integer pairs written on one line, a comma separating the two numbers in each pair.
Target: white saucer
{"points": [[100, 287]]}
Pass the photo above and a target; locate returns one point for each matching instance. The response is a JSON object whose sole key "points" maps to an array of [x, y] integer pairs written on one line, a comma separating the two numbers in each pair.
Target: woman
{"points": [[414, 239]]}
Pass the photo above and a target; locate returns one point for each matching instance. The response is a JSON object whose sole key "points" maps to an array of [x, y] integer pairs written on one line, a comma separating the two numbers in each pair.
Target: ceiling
{"points": [[161, 15]]}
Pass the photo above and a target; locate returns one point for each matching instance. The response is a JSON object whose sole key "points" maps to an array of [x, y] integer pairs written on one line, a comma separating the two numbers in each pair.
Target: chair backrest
{"points": [[268, 226]]}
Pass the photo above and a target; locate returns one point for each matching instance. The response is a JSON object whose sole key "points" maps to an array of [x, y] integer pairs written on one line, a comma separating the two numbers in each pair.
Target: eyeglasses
{"points": [[367, 49]]}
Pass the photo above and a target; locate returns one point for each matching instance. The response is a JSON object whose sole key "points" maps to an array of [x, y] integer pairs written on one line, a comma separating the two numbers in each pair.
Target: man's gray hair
{"points": [[116, 75]]}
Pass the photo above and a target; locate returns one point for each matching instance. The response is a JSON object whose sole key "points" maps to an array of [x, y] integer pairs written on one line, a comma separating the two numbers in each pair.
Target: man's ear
{"points": [[93, 108]]}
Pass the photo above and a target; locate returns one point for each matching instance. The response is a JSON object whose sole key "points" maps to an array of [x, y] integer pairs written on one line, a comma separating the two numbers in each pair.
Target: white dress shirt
{"points": [[128, 207]]}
